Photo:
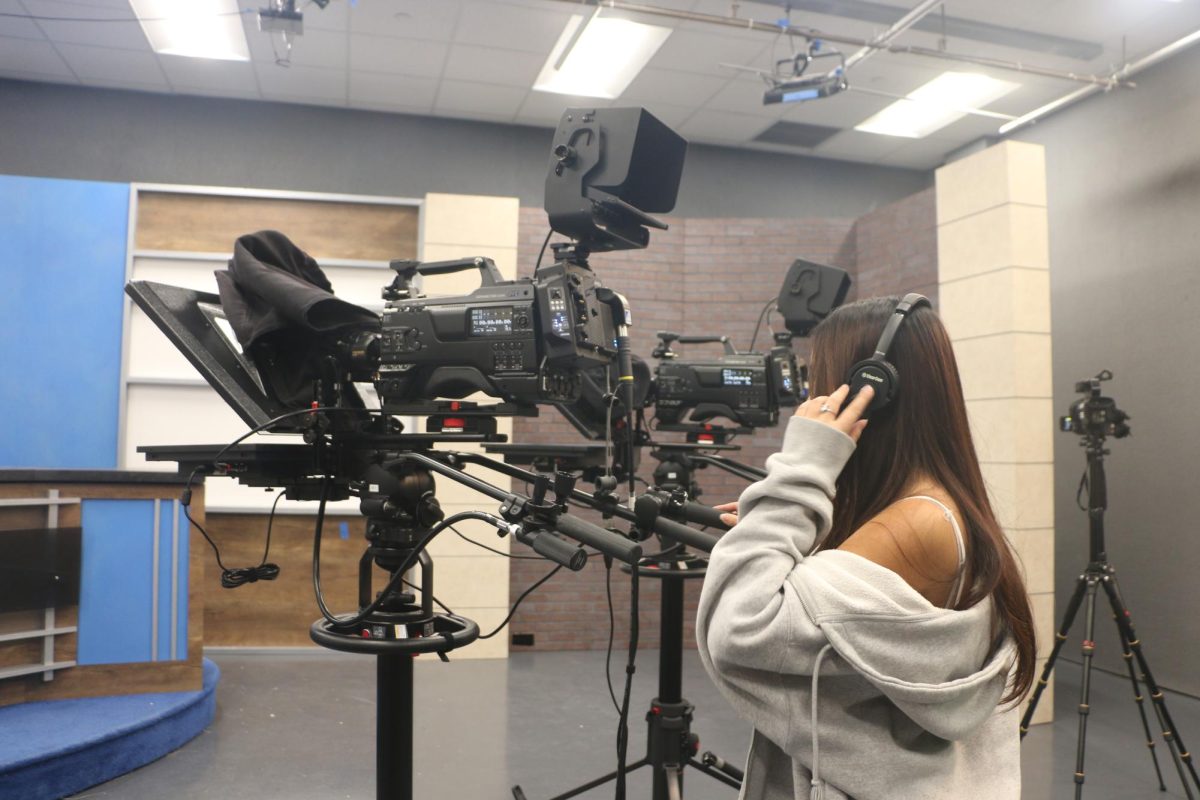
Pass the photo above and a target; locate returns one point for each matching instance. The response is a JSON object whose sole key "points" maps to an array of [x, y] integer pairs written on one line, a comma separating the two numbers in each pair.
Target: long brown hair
{"points": [[924, 432]]}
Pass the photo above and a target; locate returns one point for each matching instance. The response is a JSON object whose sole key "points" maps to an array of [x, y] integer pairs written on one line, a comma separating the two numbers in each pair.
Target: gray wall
{"points": [[70, 132], [1124, 195]]}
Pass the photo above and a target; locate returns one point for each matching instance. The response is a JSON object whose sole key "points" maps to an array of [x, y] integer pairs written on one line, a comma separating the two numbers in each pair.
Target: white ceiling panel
{"points": [[301, 84], [127, 35], [672, 86], [497, 101], [719, 126], [209, 75], [430, 20], [102, 65], [470, 62], [743, 95], [334, 17], [511, 27], [400, 56], [398, 92], [703, 53], [315, 48], [30, 55], [11, 26]]}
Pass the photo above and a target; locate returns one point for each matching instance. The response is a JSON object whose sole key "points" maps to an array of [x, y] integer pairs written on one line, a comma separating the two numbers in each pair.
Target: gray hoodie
{"points": [[857, 686]]}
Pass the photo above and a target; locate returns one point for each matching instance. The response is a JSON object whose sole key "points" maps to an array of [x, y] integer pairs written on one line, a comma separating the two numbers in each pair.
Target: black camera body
{"points": [[746, 388], [1094, 415], [523, 341]]}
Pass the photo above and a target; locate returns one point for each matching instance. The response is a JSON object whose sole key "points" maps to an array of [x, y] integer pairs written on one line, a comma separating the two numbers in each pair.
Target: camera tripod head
{"points": [[1094, 416]]}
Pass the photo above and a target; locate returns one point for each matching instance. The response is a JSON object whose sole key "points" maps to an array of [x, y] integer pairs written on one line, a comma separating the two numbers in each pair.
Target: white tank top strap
{"points": [[956, 589]]}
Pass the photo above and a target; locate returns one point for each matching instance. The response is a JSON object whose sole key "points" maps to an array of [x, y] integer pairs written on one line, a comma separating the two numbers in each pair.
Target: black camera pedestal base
{"points": [[670, 743], [394, 682]]}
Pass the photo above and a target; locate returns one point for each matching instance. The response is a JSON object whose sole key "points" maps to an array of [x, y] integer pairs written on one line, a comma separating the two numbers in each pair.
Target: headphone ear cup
{"points": [[880, 375]]}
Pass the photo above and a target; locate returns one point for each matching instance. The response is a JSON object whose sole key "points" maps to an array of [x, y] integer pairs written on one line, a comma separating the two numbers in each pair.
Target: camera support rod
{"points": [[666, 527], [592, 535]]}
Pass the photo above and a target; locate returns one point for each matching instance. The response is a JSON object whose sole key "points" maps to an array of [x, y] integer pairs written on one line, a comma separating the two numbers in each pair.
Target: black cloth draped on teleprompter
{"points": [[284, 313]]}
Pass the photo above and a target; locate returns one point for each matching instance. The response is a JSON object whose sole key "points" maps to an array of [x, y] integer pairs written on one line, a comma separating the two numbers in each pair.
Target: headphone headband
{"points": [[909, 303]]}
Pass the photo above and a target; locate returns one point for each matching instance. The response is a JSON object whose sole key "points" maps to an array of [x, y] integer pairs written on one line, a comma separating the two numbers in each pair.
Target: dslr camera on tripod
{"points": [[1094, 415]]}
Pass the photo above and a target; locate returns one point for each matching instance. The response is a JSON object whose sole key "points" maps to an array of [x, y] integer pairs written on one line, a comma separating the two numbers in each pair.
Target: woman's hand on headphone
{"points": [[829, 411]]}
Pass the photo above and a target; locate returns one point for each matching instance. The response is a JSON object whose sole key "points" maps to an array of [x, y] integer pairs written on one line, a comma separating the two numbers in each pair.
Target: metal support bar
{"points": [[774, 28], [898, 27]]}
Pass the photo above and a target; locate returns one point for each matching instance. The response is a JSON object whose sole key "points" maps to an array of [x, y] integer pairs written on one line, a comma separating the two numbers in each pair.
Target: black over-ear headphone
{"points": [[877, 371]]}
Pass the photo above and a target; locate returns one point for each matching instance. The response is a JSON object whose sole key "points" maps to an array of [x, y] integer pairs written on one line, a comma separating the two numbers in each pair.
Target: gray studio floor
{"points": [[302, 726]]}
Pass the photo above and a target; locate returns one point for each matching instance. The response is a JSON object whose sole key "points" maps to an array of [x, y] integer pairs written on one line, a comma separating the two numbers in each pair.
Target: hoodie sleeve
{"points": [[752, 629]]}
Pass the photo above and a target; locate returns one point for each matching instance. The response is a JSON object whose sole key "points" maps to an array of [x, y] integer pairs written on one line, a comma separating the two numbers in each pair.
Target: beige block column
{"points": [[994, 296], [470, 580]]}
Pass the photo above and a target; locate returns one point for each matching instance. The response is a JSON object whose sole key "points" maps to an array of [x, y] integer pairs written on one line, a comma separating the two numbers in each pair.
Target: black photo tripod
{"points": [[1094, 418]]}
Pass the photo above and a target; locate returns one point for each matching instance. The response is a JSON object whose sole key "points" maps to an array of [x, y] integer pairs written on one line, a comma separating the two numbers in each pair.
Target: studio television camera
{"points": [[747, 388]]}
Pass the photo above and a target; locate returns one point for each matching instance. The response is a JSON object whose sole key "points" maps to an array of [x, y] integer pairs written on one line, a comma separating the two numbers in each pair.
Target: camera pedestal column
{"points": [[396, 634]]}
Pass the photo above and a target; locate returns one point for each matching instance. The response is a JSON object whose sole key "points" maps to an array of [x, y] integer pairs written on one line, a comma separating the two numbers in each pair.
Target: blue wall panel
{"points": [[181, 578], [62, 260], [115, 594]]}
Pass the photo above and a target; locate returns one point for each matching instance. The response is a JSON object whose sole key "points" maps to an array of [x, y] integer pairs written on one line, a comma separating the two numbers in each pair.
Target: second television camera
{"points": [[745, 388]]}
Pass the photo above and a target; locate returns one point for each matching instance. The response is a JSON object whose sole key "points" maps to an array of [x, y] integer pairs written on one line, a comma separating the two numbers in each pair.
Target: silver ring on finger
{"points": [[826, 408]]}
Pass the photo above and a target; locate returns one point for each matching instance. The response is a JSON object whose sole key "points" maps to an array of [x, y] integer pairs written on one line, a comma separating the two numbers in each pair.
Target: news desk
{"points": [[100, 584]]}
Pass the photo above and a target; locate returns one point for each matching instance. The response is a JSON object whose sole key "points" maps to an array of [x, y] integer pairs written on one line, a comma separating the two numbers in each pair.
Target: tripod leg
{"points": [[1088, 649], [1137, 694], [1175, 744], [1060, 639], [578, 790]]}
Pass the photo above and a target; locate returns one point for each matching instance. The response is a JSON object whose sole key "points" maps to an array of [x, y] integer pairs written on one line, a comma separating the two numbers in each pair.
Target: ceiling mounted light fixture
{"points": [[945, 99], [196, 28], [599, 56]]}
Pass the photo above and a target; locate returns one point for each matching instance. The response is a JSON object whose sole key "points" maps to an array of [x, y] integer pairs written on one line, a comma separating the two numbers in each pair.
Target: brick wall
{"points": [[896, 249]]}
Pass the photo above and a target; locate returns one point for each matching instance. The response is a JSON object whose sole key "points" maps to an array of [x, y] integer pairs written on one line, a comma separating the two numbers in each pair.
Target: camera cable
{"points": [[231, 578], [758, 325]]}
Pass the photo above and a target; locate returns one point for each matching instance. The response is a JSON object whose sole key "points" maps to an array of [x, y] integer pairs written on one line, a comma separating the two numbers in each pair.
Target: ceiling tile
{"points": [[30, 55], [743, 95], [430, 20], [488, 99], [703, 53], [303, 84], [492, 65], [719, 126], [127, 35], [671, 86], [12, 26], [396, 92], [513, 27], [400, 56], [334, 17], [316, 48], [211, 75], [108, 66], [546, 108]]}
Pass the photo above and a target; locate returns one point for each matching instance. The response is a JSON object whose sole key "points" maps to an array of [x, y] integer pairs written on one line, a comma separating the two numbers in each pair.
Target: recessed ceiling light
{"points": [[945, 99], [599, 56], [196, 28]]}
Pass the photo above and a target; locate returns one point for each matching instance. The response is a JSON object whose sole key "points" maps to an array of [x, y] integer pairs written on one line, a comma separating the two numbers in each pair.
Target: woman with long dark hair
{"points": [[866, 613]]}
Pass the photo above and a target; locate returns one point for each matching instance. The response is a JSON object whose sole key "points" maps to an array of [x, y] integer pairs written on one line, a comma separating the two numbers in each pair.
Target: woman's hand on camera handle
{"points": [[829, 411]]}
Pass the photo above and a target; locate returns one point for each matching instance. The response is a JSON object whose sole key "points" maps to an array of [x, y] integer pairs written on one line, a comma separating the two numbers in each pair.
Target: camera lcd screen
{"points": [[737, 377], [492, 321]]}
